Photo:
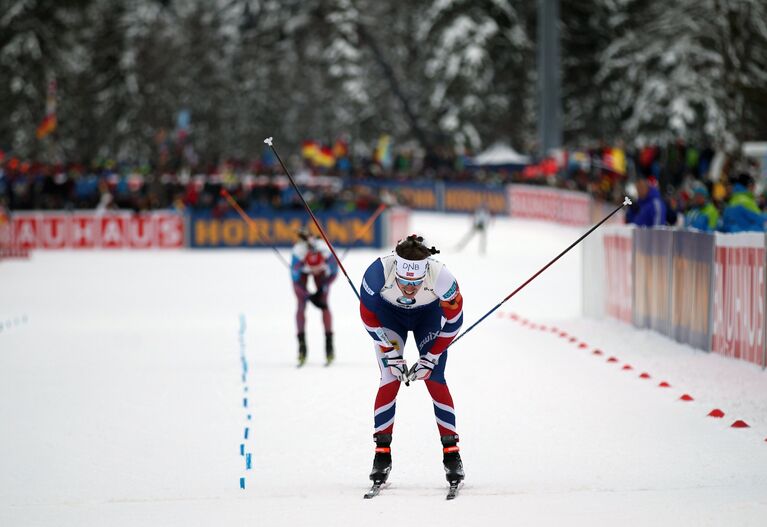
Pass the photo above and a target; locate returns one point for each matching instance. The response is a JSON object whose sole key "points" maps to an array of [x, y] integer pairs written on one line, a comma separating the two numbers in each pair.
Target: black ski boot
{"points": [[329, 352], [301, 349], [452, 459], [382, 459]]}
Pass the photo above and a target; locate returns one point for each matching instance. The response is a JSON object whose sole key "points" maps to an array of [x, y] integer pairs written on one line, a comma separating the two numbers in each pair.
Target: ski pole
{"points": [[360, 233], [626, 201], [247, 219]]}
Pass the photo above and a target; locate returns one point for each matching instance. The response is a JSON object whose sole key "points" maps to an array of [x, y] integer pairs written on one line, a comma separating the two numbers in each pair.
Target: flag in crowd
{"points": [[48, 124]]}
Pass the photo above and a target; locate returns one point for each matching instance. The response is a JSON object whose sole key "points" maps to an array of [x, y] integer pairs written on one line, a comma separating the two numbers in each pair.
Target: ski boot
{"points": [[451, 458], [382, 459], [329, 352], [301, 349]]}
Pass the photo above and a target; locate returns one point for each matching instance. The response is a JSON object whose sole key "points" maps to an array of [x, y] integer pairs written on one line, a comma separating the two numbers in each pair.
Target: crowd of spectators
{"points": [[677, 175], [731, 207]]}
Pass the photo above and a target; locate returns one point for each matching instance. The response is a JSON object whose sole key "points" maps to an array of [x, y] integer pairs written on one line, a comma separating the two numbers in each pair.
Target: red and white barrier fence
{"points": [[739, 297], [717, 297], [543, 203], [93, 230], [619, 274]]}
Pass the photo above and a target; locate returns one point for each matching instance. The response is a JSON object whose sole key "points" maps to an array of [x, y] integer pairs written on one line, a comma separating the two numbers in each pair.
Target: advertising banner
{"points": [[279, 229], [652, 279], [396, 223], [97, 230], [469, 198], [739, 296], [441, 196], [691, 295], [416, 195], [619, 288], [542, 203]]}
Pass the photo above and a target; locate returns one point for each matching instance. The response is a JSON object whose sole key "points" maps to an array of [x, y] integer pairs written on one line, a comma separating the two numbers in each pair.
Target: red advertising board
{"points": [[739, 297], [90, 230], [619, 249], [561, 206], [398, 223]]}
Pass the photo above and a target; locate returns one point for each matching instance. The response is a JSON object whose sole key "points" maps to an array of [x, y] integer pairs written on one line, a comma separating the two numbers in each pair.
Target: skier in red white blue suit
{"points": [[409, 291], [309, 258]]}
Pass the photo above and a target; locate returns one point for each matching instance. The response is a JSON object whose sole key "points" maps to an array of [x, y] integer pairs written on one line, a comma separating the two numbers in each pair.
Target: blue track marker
{"points": [[242, 483]]}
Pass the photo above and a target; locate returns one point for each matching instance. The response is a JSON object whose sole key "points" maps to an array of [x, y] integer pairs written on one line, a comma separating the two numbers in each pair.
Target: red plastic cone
{"points": [[627, 367], [664, 384], [612, 359], [583, 345], [686, 397], [597, 352], [543, 328], [716, 412], [562, 334], [739, 424], [644, 375]]}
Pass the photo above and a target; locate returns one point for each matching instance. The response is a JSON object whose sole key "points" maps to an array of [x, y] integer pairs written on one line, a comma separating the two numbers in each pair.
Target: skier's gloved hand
{"points": [[396, 364], [422, 369], [316, 299]]}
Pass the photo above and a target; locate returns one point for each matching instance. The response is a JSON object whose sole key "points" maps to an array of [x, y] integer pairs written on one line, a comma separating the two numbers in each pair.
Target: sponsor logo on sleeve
{"points": [[451, 292], [366, 287]]}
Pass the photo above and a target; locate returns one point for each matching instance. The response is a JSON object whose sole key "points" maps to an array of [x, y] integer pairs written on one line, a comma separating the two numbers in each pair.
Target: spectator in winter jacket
{"points": [[742, 214], [702, 215], [649, 210]]}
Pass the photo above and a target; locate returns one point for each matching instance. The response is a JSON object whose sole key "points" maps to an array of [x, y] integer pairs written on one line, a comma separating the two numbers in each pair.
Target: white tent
{"points": [[498, 155]]}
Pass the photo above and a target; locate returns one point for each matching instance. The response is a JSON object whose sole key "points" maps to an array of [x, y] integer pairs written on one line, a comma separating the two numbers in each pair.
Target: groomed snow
{"points": [[121, 400]]}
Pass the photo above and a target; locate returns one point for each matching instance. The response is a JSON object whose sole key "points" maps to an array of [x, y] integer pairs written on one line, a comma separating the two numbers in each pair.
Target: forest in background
{"points": [[436, 74]]}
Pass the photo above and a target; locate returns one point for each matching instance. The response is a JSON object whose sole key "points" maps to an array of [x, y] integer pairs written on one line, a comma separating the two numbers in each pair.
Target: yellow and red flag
{"points": [[324, 157], [49, 122]]}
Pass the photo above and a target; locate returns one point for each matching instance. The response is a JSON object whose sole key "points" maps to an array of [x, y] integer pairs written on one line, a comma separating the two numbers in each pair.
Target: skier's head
{"points": [[305, 235], [411, 263]]}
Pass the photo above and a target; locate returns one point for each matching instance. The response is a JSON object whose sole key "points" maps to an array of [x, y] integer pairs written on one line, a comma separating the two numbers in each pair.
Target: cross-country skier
{"points": [[309, 258], [410, 291]]}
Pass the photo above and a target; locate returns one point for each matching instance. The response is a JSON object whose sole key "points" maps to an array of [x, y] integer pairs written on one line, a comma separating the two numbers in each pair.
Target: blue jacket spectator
{"points": [[742, 214], [650, 210], [702, 214]]}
